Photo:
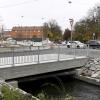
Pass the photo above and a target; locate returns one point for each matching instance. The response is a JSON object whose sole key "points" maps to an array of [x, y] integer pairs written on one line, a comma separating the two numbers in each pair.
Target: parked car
{"points": [[71, 44], [94, 44], [80, 44], [11, 41], [75, 44]]}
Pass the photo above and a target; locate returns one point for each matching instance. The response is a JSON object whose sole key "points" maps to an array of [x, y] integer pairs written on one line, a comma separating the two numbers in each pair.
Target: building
{"points": [[27, 33]]}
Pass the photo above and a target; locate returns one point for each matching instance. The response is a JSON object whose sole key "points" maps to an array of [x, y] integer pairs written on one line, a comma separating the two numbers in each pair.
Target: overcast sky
{"points": [[36, 12]]}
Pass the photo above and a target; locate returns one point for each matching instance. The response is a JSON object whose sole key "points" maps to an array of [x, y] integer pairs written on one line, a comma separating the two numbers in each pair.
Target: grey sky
{"points": [[36, 12]]}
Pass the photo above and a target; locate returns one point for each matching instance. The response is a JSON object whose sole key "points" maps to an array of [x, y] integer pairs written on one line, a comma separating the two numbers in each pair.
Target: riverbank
{"points": [[88, 79], [8, 92], [90, 72]]}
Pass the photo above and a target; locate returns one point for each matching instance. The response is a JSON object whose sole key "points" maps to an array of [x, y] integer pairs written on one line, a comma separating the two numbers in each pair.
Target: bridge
{"points": [[18, 66]]}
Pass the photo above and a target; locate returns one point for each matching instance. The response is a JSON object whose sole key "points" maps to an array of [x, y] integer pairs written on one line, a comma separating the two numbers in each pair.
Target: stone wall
{"points": [[92, 68]]}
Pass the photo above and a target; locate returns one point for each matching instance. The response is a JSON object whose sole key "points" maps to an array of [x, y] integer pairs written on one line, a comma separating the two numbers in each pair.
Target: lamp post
{"points": [[42, 35], [71, 23], [2, 31]]}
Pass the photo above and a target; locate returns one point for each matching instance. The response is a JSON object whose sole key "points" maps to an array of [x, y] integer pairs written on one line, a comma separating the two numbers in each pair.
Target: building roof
{"points": [[27, 28]]}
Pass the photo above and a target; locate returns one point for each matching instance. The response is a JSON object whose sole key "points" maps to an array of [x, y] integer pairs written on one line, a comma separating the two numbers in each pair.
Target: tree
{"points": [[45, 30], [89, 25], [80, 27], [52, 31], [67, 34]]}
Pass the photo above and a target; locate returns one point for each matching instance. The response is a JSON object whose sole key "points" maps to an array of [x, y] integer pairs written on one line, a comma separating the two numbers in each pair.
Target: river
{"points": [[57, 87]]}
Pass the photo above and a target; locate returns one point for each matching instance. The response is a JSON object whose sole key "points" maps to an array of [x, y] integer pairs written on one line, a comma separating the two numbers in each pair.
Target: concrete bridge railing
{"points": [[34, 55]]}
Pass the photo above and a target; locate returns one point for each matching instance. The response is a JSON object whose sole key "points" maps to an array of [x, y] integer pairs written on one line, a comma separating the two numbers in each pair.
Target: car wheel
{"points": [[78, 47], [68, 46]]}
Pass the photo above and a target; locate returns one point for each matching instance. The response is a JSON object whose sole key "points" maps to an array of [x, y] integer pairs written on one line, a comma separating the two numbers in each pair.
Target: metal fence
{"points": [[39, 54]]}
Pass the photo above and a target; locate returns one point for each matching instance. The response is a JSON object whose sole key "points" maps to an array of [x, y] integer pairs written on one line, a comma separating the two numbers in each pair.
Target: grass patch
{"points": [[8, 93]]}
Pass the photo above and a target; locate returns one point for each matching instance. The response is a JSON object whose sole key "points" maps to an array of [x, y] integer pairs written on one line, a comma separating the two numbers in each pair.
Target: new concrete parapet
{"points": [[42, 68]]}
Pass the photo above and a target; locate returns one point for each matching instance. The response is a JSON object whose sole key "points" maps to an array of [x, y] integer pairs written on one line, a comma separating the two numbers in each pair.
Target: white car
{"points": [[75, 44], [71, 44], [11, 41]]}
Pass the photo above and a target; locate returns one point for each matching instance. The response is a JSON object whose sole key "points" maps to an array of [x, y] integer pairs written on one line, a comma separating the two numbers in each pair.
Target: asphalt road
{"points": [[24, 51]]}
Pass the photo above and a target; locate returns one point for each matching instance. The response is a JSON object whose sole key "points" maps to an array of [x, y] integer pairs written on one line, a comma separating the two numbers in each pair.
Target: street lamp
{"points": [[71, 23], [42, 35]]}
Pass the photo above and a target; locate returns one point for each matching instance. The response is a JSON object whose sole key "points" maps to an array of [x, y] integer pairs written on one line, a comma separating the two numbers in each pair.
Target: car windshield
{"points": [[93, 42], [72, 42], [78, 42]]}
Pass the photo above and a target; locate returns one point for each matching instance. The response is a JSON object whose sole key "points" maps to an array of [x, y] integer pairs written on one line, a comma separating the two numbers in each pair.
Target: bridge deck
{"points": [[41, 68]]}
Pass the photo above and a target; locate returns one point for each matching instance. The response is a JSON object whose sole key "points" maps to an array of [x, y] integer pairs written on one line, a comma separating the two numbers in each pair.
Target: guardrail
{"points": [[26, 55]]}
